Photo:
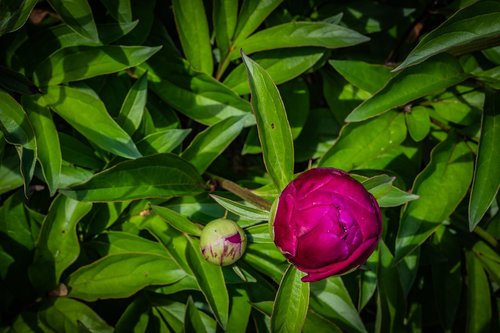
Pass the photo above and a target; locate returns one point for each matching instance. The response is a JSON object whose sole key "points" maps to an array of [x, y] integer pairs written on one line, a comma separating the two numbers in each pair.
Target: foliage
{"points": [[127, 125]]}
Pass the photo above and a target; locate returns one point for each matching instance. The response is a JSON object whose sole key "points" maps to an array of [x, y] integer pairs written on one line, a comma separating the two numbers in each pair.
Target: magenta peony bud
{"points": [[222, 242], [326, 223]]}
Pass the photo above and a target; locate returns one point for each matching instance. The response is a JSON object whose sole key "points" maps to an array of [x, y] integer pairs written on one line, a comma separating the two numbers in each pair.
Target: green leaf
{"points": [[76, 152], [10, 175], [192, 27], [83, 62], [331, 299], [120, 10], [135, 318], [360, 74], [161, 175], [439, 192], [119, 242], [78, 16], [434, 75], [195, 94], [211, 281], [48, 147], [122, 275], [363, 143], [418, 123], [224, 17], [177, 221], [472, 28], [479, 314], [15, 123], [163, 141], [297, 34], [57, 246], [487, 171], [266, 258], [16, 82], [64, 314], [133, 106], [491, 77], [461, 105], [245, 211], [84, 111], [251, 16], [192, 320], [13, 14], [281, 65], [274, 131], [212, 142], [386, 194], [291, 303], [240, 310]]}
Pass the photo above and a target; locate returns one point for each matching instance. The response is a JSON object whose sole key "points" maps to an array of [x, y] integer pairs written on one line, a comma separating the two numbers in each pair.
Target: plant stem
{"points": [[241, 192], [487, 237]]}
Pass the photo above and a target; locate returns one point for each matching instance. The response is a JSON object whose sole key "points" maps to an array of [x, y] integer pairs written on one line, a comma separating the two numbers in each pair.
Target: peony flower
{"points": [[222, 242], [326, 223]]}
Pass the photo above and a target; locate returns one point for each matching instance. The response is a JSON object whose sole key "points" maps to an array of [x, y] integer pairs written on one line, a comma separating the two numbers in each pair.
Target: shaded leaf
{"points": [[120, 10], [418, 123], [15, 82], [163, 141], [274, 131], [177, 221], [13, 15], [192, 320], [369, 77], [224, 17], [159, 175], [244, 210], [132, 109], [479, 314], [78, 15]]}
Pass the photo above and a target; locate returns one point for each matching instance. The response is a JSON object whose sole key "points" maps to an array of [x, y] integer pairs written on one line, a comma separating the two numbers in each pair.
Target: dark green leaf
{"points": [[487, 171], [120, 10], [15, 82], [434, 75], [122, 275], [266, 258], [83, 62], [13, 15], [224, 17], [240, 311], [192, 320], [159, 175], [418, 123], [211, 281], [365, 76], [252, 14], [57, 246], [210, 143], [15, 123], [479, 314], [192, 27], [473, 27], [274, 131], [291, 304], [246, 211], [177, 221], [78, 15], [77, 152], [439, 192], [133, 106], [135, 318], [119, 242], [163, 141], [10, 175], [83, 111], [48, 147], [282, 66], [64, 314], [297, 34], [331, 299], [363, 143]]}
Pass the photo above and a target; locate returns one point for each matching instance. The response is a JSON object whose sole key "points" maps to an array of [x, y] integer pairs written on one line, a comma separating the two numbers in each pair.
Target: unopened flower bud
{"points": [[222, 242]]}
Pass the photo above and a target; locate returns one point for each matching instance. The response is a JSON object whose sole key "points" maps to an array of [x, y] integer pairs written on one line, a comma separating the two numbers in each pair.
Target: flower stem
{"points": [[241, 192]]}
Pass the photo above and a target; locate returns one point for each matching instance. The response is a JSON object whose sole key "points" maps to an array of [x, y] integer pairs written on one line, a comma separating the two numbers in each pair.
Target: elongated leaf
{"points": [[83, 111], [387, 195], [13, 14], [252, 14], [120, 10], [162, 141], [135, 318], [439, 191], [487, 171], [331, 299], [48, 147], [363, 143], [297, 34], [474, 27], [192, 27], [64, 314], [195, 94], [432, 76], [78, 15], [210, 143], [240, 311], [57, 246], [224, 17], [282, 66], [211, 282], [365, 76], [245, 211], [159, 175], [16, 82], [479, 314], [76, 152], [119, 242], [192, 320], [15, 124], [291, 303], [133, 106], [274, 131], [10, 175], [83, 62], [177, 221], [418, 123], [122, 275]]}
